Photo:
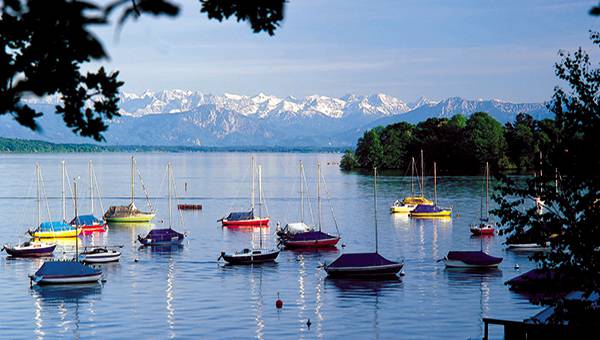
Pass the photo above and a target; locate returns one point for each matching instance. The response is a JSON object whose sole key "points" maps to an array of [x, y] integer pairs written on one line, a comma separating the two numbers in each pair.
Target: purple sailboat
{"points": [[30, 249], [364, 265], [471, 259]]}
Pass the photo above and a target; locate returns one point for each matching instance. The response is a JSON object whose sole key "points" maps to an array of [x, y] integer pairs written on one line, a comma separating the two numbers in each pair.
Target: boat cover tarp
{"points": [[65, 268], [295, 228], [427, 208], [360, 260], [86, 220], [473, 257], [55, 226], [163, 234], [240, 216], [309, 236]]}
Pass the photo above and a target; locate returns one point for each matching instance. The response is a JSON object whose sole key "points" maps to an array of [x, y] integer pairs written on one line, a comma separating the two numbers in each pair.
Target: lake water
{"points": [[186, 293]]}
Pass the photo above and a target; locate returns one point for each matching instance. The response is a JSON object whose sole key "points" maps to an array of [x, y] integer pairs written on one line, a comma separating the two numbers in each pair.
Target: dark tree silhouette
{"points": [[44, 43]]}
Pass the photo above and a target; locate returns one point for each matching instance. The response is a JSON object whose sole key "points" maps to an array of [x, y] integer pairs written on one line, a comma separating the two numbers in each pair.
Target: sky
{"points": [[404, 48]]}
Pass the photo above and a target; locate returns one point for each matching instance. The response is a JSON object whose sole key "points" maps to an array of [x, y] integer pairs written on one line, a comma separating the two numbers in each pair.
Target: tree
{"points": [[520, 140], [572, 208], [485, 136], [349, 161], [43, 45], [369, 152], [396, 140]]}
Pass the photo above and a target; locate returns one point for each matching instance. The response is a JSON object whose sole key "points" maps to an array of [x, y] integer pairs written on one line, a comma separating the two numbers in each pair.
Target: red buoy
{"points": [[278, 303]]}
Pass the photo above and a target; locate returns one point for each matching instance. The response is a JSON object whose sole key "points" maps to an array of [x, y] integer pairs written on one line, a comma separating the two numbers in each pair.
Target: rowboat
{"points": [[247, 219], [364, 265], [189, 206], [471, 259], [129, 213]]}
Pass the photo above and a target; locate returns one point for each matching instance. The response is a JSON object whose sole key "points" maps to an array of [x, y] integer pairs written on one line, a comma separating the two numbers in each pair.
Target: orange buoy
{"points": [[278, 303]]}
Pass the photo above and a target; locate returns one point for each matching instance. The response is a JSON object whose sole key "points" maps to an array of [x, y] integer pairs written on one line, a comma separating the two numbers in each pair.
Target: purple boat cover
{"points": [[310, 236], [427, 208], [360, 260], [473, 257], [163, 234], [65, 268]]}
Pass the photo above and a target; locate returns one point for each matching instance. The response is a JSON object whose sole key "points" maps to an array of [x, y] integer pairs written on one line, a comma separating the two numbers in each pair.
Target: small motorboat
{"points": [[408, 204], [30, 249], [363, 265], [471, 259], [99, 255], [189, 206], [63, 272], [250, 256], [483, 228], [528, 241], [161, 237]]}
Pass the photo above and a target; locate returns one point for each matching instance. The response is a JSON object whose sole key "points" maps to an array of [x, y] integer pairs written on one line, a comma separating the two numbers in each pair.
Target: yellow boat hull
{"points": [[55, 234], [401, 209], [444, 214]]}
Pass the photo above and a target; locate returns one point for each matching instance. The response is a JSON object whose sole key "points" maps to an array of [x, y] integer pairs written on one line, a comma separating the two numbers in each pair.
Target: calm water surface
{"points": [[184, 292]]}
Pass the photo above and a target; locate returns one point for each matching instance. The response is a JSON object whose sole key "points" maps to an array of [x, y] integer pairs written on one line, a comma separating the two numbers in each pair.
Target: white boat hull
{"points": [[70, 279], [527, 247], [461, 264], [101, 258]]}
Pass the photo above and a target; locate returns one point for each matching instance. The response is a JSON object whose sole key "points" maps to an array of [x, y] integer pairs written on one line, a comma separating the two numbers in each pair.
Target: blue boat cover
{"points": [[427, 208], [473, 257], [360, 260], [309, 236], [55, 226], [65, 268], [86, 220], [240, 216], [158, 235]]}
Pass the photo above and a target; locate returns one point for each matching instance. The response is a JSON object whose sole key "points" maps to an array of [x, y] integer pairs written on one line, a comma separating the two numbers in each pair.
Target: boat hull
{"points": [[444, 213], [33, 252], [148, 243], [401, 209], [250, 258], [101, 258], [482, 231], [254, 223], [527, 247], [131, 219], [331, 242], [365, 272], [66, 279], [461, 264], [54, 234]]}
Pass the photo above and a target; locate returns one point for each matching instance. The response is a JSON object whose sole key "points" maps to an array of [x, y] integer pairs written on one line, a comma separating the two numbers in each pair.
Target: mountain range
{"points": [[188, 118]]}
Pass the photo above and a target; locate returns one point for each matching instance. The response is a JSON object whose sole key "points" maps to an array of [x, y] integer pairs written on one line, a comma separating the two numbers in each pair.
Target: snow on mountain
{"points": [[182, 117]]}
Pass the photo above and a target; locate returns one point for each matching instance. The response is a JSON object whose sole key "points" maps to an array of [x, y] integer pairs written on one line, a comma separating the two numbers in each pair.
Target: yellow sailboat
{"points": [[432, 210], [409, 203]]}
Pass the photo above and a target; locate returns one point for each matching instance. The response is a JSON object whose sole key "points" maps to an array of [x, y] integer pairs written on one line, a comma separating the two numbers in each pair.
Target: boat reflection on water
{"points": [[169, 297], [256, 296], [365, 287], [162, 249], [62, 305]]}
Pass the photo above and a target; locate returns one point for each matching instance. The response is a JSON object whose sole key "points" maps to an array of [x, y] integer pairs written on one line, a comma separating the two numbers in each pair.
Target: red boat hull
{"points": [[254, 223], [479, 231], [90, 229], [331, 242]]}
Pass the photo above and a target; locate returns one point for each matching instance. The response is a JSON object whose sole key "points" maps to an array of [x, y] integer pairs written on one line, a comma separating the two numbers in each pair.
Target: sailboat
{"points": [[297, 227], [246, 219], [51, 229], [310, 238], [368, 265], [431, 210], [128, 213], [90, 223], [409, 203], [165, 236], [69, 271], [252, 256], [485, 226]]}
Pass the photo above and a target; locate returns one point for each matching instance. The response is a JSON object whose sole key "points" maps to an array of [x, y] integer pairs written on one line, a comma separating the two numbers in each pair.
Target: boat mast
{"points": [[64, 192], [252, 199], [169, 173], [412, 176], [260, 195], [422, 174], [132, 179], [301, 193], [434, 184], [319, 193], [487, 189], [39, 200], [76, 219], [91, 186], [375, 206]]}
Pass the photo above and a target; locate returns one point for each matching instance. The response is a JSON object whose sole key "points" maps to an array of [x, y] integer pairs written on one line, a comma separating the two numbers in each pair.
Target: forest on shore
{"points": [[459, 145]]}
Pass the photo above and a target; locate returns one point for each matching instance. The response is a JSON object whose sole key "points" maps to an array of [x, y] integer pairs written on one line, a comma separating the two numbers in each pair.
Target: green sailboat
{"points": [[129, 213]]}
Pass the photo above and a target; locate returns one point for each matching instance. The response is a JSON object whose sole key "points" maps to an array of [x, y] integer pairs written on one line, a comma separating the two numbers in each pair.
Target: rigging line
{"points": [[95, 182], [160, 188], [69, 186], [174, 186], [43, 187], [23, 207], [144, 189], [310, 209], [264, 198], [330, 205]]}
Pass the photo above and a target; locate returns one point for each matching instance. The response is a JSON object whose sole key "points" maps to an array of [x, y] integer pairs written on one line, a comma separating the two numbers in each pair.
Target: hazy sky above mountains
{"points": [[473, 49]]}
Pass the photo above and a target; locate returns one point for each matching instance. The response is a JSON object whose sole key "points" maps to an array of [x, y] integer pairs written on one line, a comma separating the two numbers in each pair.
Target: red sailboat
{"points": [[247, 219], [485, 226]]}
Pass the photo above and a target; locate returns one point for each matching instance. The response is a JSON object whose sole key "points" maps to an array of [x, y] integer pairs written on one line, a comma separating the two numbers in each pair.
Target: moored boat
{"points": [[100, 255], [129, 213], [364, 265], [471, 259], [250, 256], [485, 227], [409, 203], [54, 229], [30, 249], [188, 206], [89, 224], [431, 210]]}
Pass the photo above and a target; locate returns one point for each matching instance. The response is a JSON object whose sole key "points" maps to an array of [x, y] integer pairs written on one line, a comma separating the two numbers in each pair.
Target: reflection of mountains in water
{"points": [[66, 293], [360, 287]]}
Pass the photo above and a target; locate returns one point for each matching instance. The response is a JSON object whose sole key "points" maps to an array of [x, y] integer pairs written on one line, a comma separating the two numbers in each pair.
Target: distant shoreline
{"points": [[17, 146]]}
